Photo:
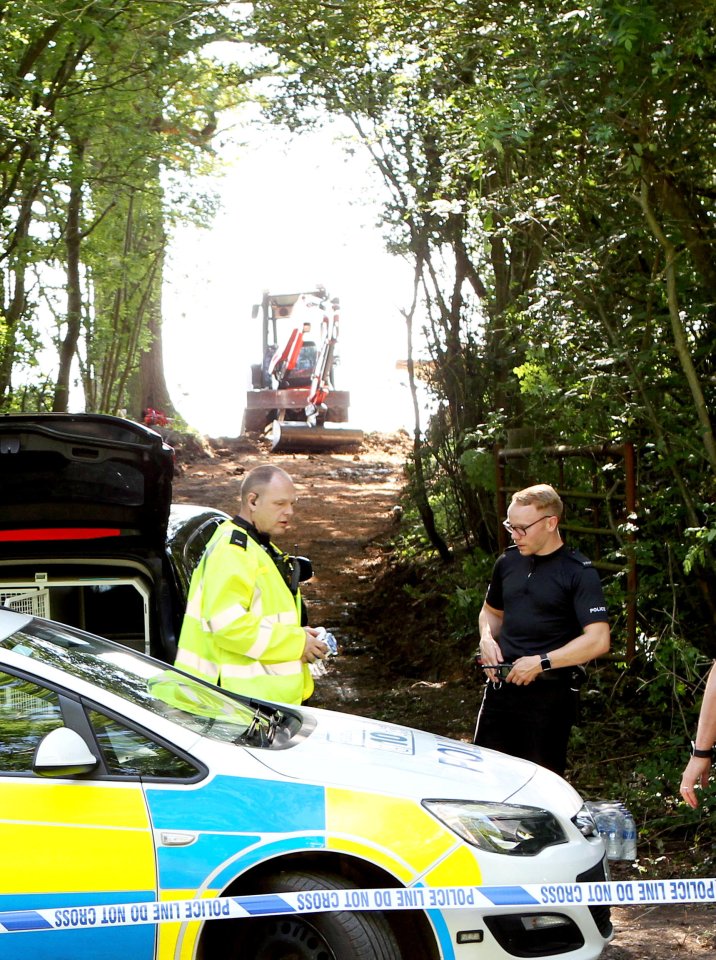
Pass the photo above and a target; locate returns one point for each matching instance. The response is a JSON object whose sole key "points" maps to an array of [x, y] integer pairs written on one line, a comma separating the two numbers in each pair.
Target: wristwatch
{"points": [[703, 754], [546, 663]]}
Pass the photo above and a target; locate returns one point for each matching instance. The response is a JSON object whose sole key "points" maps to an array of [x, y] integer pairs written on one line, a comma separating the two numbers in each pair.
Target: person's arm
{"points": [[594, 642], [697, 770], [490, 625], [238, 624]]}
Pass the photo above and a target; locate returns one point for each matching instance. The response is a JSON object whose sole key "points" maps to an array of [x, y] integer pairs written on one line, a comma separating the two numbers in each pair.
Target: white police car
{"points": [[125, 782]]}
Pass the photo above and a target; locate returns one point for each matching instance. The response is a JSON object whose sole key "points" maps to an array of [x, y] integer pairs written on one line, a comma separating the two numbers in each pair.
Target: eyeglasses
{"points": [[522, 531]]}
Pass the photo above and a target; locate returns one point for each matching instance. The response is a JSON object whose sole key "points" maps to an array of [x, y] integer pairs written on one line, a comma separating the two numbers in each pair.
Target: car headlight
{"points": [[499, 827]]}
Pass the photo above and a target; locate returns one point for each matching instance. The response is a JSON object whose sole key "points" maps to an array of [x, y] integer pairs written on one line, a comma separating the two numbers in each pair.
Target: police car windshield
{"points": [[137, 679]]}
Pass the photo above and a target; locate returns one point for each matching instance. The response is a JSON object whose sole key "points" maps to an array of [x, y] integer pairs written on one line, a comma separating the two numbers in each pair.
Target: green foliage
{"points": [[479, 468], [466, 597], [536, 380], [699, 553], [98, 101]]}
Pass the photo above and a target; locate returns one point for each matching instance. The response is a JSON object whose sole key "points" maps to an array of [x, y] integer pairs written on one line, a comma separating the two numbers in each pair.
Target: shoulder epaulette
{"points": [[579, 558], [239, 538]]}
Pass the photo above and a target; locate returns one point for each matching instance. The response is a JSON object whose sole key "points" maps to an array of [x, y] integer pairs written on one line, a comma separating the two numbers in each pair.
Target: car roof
{"points": [[67, 477]]}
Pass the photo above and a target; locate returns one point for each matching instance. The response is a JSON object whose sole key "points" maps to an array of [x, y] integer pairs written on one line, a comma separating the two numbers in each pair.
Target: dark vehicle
{"points": [[88, 533]]}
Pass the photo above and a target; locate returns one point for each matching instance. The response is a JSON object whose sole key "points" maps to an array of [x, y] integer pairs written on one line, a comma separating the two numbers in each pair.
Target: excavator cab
{"points": [[293, 387], [300, 376]]}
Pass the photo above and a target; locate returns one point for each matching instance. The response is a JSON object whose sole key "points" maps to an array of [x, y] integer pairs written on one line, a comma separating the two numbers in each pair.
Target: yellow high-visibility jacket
{"points": [[242, 627]]}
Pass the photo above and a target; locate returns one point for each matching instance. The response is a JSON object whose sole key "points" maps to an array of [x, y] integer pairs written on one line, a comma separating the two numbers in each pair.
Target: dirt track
{"points": [[344, 523]]}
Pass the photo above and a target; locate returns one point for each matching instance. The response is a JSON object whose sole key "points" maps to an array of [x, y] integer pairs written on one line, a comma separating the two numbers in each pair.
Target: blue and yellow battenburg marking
{"points": [[101, 845], [62, 842], [274, 818]]}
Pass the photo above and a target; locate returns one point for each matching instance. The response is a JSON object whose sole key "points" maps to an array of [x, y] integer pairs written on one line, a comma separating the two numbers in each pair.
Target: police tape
{"points": [[549, 895]]}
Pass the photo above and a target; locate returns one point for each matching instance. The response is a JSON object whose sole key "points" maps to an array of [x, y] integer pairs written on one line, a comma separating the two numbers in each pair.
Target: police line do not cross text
{"points": [[605, 893]]}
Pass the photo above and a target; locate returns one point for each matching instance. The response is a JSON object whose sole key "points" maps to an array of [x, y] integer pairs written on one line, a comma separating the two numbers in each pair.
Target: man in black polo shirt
{"points": [[545, 614]]}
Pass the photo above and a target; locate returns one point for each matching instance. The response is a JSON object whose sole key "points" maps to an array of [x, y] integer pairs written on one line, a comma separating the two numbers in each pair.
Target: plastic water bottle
{"points": [[600, 818], [614, 834], [628, 836], [609, 824]]}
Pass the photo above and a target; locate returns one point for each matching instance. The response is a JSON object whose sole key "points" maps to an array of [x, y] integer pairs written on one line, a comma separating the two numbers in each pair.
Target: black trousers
{"points": [[532, 721]]}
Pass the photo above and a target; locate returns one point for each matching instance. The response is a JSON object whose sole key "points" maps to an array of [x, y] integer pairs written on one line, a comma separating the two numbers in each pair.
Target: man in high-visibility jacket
{"points": [[243, 626]]}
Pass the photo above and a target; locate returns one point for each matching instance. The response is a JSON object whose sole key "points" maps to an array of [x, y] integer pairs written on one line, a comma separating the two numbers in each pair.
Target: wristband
{"points": [[702, 754]]}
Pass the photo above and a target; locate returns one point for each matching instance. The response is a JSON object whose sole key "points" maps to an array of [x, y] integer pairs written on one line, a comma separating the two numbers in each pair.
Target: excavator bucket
{"points": [[297, 437]]}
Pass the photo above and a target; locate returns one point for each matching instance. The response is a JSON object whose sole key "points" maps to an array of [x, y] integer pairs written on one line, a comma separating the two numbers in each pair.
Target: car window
{"points": [[149, 684], [48, 476], [130, 753], [27, 714], [196, 544]]}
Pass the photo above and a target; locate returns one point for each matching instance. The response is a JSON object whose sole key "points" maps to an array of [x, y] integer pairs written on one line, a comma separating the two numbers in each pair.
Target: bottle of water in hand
{"points": [[318, 667]]}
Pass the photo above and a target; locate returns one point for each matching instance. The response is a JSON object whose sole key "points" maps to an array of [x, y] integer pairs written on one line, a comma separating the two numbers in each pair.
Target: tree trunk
{"points": [[421, 496], [73, 243], [17, 305], [153, 390]]}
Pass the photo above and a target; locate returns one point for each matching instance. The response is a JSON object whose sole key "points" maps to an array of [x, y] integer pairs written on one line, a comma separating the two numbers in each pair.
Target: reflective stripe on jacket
{"points": [[242, 626]]}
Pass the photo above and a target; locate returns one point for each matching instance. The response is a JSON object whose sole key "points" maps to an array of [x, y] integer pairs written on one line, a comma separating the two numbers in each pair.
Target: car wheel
{"points": [[340, 935]]}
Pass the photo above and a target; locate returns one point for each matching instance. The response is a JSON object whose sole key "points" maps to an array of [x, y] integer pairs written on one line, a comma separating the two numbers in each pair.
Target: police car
{"points": [[129, 788]]}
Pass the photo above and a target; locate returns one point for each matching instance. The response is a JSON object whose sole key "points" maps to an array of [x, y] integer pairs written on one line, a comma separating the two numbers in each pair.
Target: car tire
{"points": [[339, 935]]}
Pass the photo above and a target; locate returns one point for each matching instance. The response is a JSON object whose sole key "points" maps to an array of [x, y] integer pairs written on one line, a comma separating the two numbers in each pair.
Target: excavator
{"points": [[293, 387]]}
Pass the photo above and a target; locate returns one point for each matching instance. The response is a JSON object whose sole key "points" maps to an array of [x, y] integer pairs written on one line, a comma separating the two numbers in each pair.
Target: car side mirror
{"points": [[63, 753]]}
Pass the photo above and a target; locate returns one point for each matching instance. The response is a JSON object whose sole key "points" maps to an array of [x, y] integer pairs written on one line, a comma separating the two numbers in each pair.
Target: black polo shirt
{"points": [[546, 600]]}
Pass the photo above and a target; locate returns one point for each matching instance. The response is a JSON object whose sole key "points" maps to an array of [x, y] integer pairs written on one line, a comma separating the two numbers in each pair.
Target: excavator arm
{"points": [[323, 368], [286, 357]]}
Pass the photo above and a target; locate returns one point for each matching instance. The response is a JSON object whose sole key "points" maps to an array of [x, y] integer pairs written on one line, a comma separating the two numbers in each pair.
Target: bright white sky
{"points": [[295, 214]]}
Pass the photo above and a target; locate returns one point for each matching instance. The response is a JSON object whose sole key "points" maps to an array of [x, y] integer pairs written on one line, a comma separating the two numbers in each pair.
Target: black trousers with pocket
{"points": [[532, 721]]}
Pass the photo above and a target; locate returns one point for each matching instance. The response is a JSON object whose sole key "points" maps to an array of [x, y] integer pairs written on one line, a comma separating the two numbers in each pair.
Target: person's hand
{"points": [[315, 649], [489, 652], [525, 670], [696, 773]]}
